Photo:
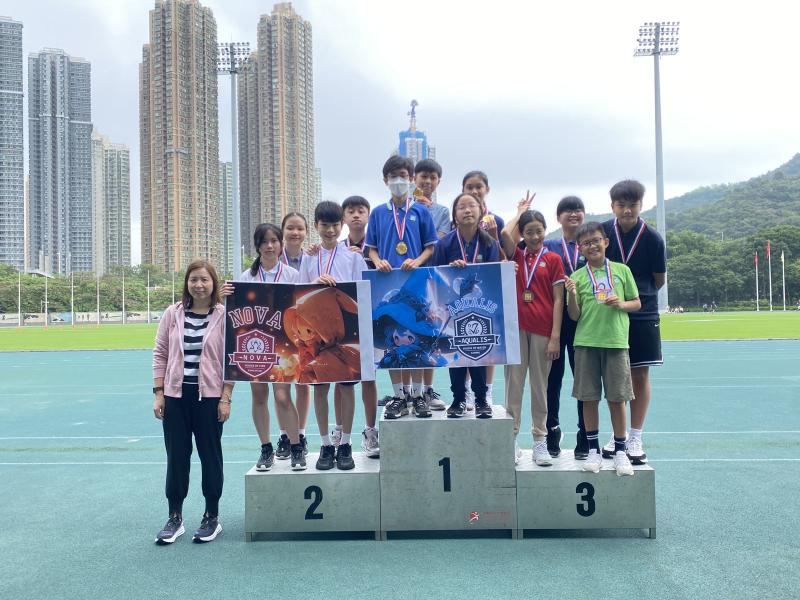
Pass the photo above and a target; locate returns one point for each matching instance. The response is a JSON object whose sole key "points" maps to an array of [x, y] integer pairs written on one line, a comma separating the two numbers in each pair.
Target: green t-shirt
{"points": [[602, 326]]}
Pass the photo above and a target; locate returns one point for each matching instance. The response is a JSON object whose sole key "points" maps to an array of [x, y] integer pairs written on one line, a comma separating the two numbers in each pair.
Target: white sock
{"points": [[416, 390], [326, 440], [368, 428], [635, 433], [397, 389], [489, 388], [283, 432], [345, 438], [301, 431], [406, 389], [337, 427]]}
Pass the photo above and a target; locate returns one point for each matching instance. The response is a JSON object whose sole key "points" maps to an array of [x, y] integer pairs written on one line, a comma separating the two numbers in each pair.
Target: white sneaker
{"points": [[593, 462], [635, 450], [369, 443], [469, 397], [336, 437], [517, 452], [489, 396], [540, 454], [622, 464], [609, 448]]}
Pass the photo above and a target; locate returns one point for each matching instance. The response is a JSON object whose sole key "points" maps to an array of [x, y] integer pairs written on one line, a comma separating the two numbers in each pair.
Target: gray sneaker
{"points": [[171, 531], [208, 530], [434, 400], [369, 443]]}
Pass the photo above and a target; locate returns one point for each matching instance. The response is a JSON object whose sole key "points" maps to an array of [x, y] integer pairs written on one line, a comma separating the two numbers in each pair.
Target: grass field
{"points": [[688, 326]]}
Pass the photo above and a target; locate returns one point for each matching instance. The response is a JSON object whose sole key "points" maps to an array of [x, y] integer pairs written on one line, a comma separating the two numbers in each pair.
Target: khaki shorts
{"points": [[609, 366]]}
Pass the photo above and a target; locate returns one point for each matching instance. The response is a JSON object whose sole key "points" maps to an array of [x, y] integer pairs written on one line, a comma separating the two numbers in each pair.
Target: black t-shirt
{"points": [[649, 256]]}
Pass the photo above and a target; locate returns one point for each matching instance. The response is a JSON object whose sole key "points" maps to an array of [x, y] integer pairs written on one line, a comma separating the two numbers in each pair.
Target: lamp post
{"points": [[657, 39], [231, 56]]}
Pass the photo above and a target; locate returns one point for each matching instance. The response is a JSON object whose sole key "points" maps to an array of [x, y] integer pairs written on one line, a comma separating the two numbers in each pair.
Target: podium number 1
{"points": [[316, 492], [445, 464]]}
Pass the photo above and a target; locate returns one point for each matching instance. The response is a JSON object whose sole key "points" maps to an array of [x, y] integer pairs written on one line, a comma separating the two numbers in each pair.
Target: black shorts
{"points": [[348, 383], [644, 339]]}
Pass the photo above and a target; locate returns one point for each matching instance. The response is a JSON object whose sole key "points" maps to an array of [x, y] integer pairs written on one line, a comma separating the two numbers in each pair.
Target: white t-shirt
{"points": [[347, 265], [284, 274]]}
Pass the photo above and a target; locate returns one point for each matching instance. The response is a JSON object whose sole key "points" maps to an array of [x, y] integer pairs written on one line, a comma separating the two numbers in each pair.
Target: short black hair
{"points": [[353, 201], [328, 212], [396, 162], [569, 203], [588, 229], [472, 174], [627, 190], [529, 216], [428, 166]]}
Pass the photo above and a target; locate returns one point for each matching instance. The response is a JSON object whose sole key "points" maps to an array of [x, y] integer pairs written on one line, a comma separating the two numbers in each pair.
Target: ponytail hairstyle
{"points": [[259, 237], [483, 237], [529, 216], [288, 216]]}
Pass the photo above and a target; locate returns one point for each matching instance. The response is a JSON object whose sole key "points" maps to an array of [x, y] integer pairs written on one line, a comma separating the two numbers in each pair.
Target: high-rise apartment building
{"points": [[60, 163], [284, 111], [111, 203], [249, 152], [179, 140], [226, 217], [12, 168], [413, 142]]}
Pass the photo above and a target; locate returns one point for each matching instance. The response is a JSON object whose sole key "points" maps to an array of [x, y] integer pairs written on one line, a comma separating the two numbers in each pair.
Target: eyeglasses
{"points": [[572, 211], [596, 242]]}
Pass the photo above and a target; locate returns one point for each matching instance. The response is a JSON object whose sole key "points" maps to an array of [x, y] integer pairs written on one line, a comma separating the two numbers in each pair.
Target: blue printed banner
{"points": [[445, 316]]}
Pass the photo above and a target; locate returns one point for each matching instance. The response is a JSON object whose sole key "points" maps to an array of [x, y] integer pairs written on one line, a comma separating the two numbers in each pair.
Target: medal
{"points": [[527, 294], [418, 193], [401, 248], [572, 261], [463, 249], [601, 294], [625, 259], [329, 266]]}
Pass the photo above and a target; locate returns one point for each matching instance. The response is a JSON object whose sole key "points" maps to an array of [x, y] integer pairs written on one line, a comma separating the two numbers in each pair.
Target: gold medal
{"points": [[418, 193], [601, 296], [527, 296], [401, 248]]}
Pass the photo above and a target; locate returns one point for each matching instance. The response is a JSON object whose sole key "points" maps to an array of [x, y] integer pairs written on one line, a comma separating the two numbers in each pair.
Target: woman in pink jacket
{"points": [[191, 398]]}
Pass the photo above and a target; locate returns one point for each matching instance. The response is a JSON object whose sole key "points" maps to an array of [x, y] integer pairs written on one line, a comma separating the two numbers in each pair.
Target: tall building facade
{"points": [[12, 167], [60, 164], [283, 109], [111, 203], [249, 130], [226, 218], [179, 136], [413, 142]]}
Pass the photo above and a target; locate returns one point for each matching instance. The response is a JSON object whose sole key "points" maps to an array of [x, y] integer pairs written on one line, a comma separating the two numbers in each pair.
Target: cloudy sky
{"points": [[541, 96]]}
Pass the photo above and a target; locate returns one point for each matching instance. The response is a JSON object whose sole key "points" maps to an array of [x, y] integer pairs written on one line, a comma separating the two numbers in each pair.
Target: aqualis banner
{"points": [[291, 333], [445, 316]]}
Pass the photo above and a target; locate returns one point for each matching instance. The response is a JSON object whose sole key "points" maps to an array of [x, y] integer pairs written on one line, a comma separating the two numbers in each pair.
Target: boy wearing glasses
{"points": [[599, 296]]}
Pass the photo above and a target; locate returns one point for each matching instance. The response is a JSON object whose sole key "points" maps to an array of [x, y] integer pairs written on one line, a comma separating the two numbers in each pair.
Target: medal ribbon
{"points": [[287, 260], [400, 227], [642, 227], [463, 249], [278, 273], [572, 262], [593, 278], [331, 256], [530, 276]]}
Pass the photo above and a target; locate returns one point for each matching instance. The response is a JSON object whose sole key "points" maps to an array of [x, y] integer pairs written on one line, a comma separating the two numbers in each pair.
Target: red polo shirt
{"points": [[537, 316]]}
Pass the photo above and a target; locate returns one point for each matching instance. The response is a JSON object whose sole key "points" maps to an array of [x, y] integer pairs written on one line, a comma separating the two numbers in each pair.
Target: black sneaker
{"points": [[326, 458], [581, 446], [344, 457], [554, 437], [483, 410], [457, 409], [171, 531], [384, 401], [304, 443], [266, 459], [421, 409], [208, 530], [283, 448], [396, 408], [298, 458]]}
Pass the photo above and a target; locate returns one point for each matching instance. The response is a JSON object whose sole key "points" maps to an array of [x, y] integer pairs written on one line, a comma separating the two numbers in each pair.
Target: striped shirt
{"points": [[194, 328]]}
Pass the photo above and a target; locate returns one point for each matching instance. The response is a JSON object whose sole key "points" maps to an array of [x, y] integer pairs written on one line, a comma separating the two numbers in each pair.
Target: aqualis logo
{"points": [[473, 336]]}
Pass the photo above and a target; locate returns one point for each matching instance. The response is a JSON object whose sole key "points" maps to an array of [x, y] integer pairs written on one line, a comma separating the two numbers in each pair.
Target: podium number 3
{"points": [[585, 508], [445, 464], [316, 492]]}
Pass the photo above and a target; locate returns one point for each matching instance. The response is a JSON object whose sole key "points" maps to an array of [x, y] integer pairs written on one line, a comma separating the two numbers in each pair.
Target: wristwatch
{"points": [[158, 389]]}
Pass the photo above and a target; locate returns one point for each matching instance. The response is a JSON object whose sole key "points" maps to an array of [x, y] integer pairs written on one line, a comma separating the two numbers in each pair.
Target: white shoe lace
{"points": [[635, 447]]}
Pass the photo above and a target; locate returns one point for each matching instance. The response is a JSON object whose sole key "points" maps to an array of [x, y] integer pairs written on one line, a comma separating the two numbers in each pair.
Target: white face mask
{"points": [[400, 187]]}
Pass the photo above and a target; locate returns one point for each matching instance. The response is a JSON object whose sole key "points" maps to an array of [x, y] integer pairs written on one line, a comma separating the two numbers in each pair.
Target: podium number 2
{"points": [[445, 464], [316, 492], [585, 508]]}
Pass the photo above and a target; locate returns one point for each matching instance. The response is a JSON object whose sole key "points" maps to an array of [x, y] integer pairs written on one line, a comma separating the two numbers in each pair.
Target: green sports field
{"points": [[687, 326]]}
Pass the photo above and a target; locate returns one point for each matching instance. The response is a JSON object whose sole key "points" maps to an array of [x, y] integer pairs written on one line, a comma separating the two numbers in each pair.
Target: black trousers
{"points": [[458, 377], [568, 327], [183, 417]]}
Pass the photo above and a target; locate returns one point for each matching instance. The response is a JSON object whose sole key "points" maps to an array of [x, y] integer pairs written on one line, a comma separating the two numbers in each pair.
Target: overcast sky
{"points": [[541, 96]]}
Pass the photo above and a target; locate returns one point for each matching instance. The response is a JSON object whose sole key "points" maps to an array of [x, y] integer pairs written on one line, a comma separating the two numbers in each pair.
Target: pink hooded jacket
{"points": [[168, 353]]}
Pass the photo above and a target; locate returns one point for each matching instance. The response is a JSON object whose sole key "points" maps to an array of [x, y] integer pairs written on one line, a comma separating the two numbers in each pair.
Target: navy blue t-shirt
{"points": [[650, 256], [448, 249], [555, 246]]}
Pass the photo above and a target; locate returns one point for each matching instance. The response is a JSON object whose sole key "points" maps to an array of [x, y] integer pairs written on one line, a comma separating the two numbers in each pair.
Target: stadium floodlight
{"points": [[656, 40], [231, 57]]}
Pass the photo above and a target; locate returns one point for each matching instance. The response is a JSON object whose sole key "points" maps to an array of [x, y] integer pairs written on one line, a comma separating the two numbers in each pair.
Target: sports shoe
{"points": [[171, 531], [540, 454], [517, 451], [384, 401], [266, 459], [370, 443], [622, 464], [344, 457], [327, 455], [298, 458], [284, 450], [336, 437], [457, 409], [489, 397], [554, 437], [483, 410], [469, 399], [421, 410], [594, 461], [396, 408], [609, 449], [304, 443], [581, 446], [433, 399], [635, 451], [208, 530]]}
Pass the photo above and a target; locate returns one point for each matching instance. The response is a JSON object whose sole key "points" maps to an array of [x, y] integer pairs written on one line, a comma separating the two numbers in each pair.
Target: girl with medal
{"points": [[267, 268], [540, 301], [467, 244]]}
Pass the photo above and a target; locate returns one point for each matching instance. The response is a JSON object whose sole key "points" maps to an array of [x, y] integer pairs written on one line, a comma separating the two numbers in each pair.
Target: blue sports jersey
{"points": [[570, 265], [448, 249], [420, 232]]}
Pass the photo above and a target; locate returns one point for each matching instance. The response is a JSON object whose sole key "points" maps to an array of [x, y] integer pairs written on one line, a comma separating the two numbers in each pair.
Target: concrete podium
{"points": [[563, 496], [448, 474]]}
